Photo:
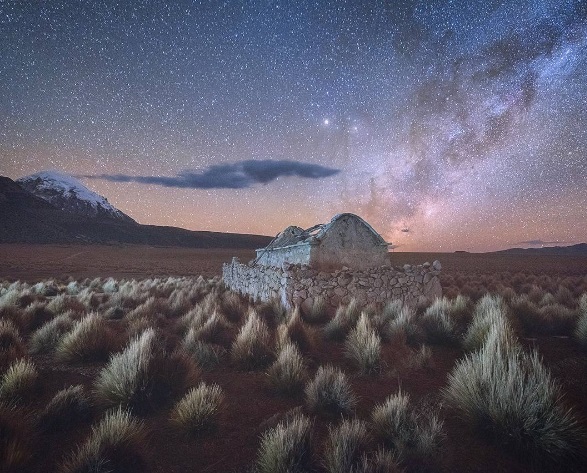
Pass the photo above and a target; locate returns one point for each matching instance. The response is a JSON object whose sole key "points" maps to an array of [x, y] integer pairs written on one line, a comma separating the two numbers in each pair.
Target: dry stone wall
{"points": [[296, 284]]}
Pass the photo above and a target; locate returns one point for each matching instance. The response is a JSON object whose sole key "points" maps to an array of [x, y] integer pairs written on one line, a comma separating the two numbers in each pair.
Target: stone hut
{"points": [[340, 260], [347, 240]]}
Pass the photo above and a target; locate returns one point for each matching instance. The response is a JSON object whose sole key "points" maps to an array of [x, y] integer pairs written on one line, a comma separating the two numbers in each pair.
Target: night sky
{"points": [[447, 125]]}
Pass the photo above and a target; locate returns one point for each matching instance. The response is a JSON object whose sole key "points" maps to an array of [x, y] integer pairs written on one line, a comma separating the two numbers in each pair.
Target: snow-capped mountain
{"points": [[67, 193]]}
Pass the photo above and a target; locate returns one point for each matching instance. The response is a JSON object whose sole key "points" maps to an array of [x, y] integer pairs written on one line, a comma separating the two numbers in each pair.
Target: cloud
{"points": [[539, 242], [239, 175]]}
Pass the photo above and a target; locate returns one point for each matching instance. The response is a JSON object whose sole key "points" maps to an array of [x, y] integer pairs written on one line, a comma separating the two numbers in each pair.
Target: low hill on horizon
{"points": [[578, 249], [27, 218]]}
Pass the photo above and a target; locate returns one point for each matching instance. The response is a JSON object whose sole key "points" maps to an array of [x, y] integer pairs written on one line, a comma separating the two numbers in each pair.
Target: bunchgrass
{"points": [[198, 410], [437, 322], [330, 392], [68, 406], [88, 340], [17, 442], [489, 311], [208, 356], [11, 345], [318, 311], [346, 445], [287, 447], [252, 347], [363, 347], [143, 377], [116, 444], [288, 373], [47, 337], [344, 320], [509, 393], [19, 382], [581, 329]]}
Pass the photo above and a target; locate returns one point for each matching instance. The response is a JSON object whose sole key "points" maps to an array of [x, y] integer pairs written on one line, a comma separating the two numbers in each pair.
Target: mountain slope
{"points": [[68, 194], [26, 218]]}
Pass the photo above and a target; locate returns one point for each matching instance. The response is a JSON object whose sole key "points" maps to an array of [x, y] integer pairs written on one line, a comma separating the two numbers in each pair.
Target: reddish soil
{"points": [[250, 406]]}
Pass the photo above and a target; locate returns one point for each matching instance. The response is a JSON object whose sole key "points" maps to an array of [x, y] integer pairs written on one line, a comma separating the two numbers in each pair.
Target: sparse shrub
{"points": [[344, 320], [116, 444], [251, 349], [46, 338], [206, 355], [363, 347], [198, 409], [502, 389], [11, 346], [318, 312], [437, 322], [18, 382], [89, 340], [143, 377], [16, 440], [287, 447], [330, 392], [288, 373], [489, 311], [346, 445], [67, 406]]}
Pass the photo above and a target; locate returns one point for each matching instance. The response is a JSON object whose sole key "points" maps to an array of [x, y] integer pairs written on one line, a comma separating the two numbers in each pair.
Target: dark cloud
{"points": [[230, 176]]}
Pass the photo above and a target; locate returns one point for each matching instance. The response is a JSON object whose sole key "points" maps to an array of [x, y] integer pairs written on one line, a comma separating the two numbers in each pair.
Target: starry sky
{"points": [[447, 125]]}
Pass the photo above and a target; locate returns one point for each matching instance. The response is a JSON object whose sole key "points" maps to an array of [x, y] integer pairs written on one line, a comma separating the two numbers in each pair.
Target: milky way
{"points": [[446, 124]]}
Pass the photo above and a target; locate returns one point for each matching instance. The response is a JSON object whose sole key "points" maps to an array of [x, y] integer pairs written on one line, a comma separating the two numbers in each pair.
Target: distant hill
{"points": [[579, 249], [27, 218]]}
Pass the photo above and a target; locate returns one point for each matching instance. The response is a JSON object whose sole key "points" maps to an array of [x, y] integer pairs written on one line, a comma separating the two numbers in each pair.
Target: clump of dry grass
{"points": [[438, 323], [490, 311], [296, 331], [207, 355], [330, 392], [405, 430], [117, 443], [363, 347], [11, 345], [16, 440], [346, 446], [67, 406], [198, 410], [318, 311], [89, 340], [287, 447], [143, 377], [344, 320], [19, 382], [232, 306], [288, 373], [502, 389], [47, 337], [251, 349]]}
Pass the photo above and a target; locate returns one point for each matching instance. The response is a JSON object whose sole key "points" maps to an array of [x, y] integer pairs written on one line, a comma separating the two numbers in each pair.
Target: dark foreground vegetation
{"points": [[179, 374]]}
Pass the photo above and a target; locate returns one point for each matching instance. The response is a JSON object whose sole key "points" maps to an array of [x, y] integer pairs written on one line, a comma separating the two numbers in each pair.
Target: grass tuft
{"points": [[89, 340], [46, 338], [288, 373], [509, 393], [18, 382], [251, 349], [330, 392], [198, 410], [67, 406], [346, 446], [363, 347], [116, 444], [287, 447], [344, 320], [11, 345]]}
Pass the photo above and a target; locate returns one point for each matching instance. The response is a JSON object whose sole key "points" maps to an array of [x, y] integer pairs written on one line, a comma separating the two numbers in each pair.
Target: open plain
{"points": [[193, 331]]}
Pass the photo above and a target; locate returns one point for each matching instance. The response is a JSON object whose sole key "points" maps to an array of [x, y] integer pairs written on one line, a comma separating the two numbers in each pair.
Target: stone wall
{"points": [[296, 284]]}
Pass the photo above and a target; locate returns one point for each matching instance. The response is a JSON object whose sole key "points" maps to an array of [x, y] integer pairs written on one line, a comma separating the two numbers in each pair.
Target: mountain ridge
{"points": [[27, 218]]}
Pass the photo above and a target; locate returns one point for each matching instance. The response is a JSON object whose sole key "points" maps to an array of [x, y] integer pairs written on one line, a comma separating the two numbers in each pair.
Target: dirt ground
{"points": [[33, 263]]}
